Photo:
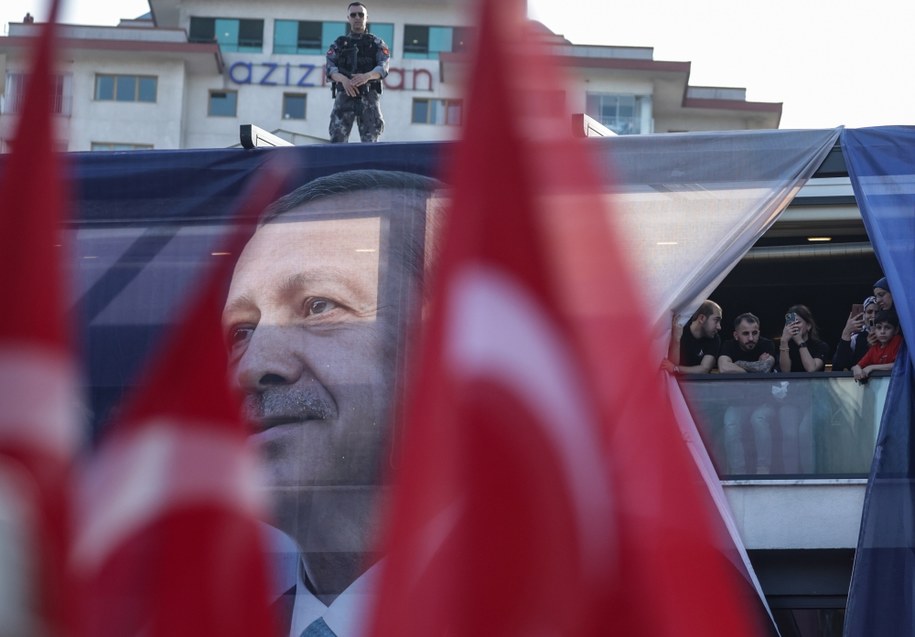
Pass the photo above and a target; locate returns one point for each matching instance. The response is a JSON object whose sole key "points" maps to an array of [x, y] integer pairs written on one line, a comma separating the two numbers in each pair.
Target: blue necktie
{"points": [[318, 628]]}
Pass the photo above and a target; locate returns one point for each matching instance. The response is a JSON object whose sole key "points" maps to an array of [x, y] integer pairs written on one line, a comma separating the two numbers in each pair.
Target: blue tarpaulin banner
{"points": [[881, 164]]}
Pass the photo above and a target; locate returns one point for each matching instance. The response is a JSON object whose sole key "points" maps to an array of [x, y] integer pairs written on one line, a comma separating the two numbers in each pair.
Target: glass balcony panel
{"points": [[788, 425]]}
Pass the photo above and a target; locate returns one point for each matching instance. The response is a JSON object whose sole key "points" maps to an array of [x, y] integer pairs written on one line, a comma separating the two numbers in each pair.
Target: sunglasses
{"points": [[357, 14]]}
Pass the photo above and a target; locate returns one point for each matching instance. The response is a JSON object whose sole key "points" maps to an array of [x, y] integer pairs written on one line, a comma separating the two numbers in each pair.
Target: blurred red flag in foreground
{"points": [[38, 395], [545, 487], [168, 542]]}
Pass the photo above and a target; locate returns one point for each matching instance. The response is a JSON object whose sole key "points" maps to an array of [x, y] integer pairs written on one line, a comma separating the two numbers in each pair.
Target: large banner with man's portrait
{"points": [[315, 320], [322, 307], [147, 224]]}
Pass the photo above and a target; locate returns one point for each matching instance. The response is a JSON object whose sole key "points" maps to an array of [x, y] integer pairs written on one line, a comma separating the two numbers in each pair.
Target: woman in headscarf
{"points": [[853, 344], [882, 294]]}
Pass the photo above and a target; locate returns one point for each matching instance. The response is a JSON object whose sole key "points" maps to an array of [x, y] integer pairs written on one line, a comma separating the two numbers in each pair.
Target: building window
{"points": [[428, 42], [126, 88], [223, 104], [119, 146], [385, 31], [620, 113], [437, 111], [415, 41], [294, 105], [461, 39], [305, 37], [202, 30], [232, 35], [14, 94]]}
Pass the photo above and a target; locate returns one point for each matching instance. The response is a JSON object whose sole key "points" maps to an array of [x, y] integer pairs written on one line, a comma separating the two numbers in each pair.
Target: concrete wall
{"points": [[157, 124], [797, 514]]}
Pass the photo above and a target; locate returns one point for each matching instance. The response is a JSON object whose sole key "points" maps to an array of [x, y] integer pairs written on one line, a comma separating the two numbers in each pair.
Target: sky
{"points": [[829, 62]]}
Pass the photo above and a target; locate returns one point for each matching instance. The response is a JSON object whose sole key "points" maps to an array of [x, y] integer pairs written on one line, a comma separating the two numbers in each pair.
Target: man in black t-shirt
{"points": [[748, 352], [695, 347]]}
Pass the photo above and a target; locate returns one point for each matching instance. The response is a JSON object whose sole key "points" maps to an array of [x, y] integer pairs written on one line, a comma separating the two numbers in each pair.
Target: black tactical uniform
{"points": [[348, 55]]}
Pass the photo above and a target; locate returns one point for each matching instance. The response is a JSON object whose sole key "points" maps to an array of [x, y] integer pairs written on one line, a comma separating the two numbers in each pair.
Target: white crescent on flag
{"points": [[163, 464], [498, 331]]}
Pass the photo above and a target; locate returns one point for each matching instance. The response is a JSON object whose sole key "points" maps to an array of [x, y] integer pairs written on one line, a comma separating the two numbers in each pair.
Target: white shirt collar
{"points": [[345, 615]]}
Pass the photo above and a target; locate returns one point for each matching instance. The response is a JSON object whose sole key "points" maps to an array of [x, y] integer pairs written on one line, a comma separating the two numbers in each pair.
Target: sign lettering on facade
{"points": [[310, 75]]}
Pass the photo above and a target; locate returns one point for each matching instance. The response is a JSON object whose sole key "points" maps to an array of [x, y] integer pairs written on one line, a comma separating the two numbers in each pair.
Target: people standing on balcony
{"points": [[356, 64], [800, 350], [694, 347], [883, 295], [882, 354], [748, 352], [854, 341]]}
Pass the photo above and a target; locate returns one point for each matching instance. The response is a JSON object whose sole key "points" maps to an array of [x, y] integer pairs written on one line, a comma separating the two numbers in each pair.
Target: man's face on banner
{"points": [[312, 349]]}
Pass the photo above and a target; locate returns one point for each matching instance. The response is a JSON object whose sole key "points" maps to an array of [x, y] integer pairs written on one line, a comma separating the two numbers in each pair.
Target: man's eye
{"points": [[238, 335], [314, 306]]}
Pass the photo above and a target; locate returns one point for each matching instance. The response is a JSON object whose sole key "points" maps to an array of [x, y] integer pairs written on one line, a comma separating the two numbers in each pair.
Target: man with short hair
{"points": [[316, 316], [694, 348], [748, 352], [356, 64]]}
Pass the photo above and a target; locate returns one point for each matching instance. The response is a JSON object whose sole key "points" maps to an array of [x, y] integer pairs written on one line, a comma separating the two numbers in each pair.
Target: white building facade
{"points": [[187, 74]]}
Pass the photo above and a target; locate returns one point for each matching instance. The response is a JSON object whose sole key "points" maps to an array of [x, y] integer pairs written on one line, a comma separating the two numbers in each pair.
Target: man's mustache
{"points": [[286, 404]]}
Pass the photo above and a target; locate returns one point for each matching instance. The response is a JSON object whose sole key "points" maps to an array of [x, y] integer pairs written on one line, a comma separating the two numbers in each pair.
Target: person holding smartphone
{"points": [[800, 350], [854, 341]]}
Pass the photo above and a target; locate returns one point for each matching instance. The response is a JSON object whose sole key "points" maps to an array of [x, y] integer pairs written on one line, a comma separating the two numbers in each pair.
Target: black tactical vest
{"points": [[356, 55]]}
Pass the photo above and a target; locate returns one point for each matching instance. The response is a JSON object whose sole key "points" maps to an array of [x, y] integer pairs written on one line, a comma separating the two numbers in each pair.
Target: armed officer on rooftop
{"points": [[356, 64]]}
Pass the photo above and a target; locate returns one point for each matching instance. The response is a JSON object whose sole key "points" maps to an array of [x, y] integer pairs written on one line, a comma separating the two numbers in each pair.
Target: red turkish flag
{"points": [[39, 404], [544, 487], [168, 542]]}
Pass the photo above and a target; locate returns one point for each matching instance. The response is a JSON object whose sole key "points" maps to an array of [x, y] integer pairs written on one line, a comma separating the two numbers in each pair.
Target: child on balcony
{"points": [[881, 354]]}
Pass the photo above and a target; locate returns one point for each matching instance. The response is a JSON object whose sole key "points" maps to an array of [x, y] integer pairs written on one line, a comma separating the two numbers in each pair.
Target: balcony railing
{"points": [[788, 425]]}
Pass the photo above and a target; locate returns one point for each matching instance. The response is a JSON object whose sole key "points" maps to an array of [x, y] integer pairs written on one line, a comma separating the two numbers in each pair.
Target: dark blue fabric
{"points": [[881, 164], [881, 598], [881, 595]]}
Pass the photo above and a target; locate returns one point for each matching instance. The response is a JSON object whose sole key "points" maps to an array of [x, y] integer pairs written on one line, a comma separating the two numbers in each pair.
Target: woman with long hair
{"points": [[800, 350]]}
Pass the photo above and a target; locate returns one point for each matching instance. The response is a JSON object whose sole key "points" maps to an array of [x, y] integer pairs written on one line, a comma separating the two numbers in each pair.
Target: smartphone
{"points": [[856, 309], [790, 318]]}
